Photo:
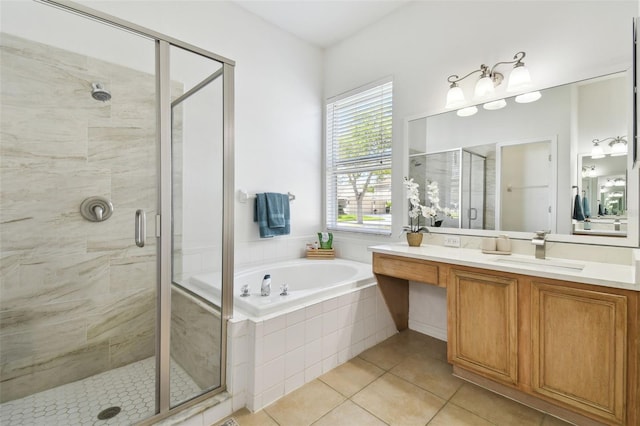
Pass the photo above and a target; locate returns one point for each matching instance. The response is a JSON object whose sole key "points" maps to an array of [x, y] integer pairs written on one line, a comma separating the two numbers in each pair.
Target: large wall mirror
{"points": [[518, 169]]}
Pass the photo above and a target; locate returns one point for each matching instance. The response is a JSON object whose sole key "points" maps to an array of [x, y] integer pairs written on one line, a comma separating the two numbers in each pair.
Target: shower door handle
{"points": [[473, 213], [140, 228]]}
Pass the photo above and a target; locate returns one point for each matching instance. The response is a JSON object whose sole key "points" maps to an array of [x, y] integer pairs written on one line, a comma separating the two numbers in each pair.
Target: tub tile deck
{"points": [[410, 366]]}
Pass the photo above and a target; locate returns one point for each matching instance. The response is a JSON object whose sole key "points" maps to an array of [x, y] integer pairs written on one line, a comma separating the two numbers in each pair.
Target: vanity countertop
{"points": [[602, 274]]}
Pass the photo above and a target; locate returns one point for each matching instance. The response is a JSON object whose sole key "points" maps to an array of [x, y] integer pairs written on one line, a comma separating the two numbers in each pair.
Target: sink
{"points": [[542, 263]]}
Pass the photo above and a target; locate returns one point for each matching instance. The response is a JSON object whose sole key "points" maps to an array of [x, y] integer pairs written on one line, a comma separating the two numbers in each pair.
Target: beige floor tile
{"points": [[418, 343], [386, 355], [453, 415], [495, 408], [430, 374], [352, 376], [245, 417], [349, 414], [305, 405], [398, 402]]}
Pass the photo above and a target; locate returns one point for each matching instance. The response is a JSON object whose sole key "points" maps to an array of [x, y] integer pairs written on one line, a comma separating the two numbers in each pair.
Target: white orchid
{"points": [[416, 209]]}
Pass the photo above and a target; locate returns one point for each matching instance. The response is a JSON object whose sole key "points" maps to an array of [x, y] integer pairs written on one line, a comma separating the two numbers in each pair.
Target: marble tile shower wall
{"points": [[78, 297]]}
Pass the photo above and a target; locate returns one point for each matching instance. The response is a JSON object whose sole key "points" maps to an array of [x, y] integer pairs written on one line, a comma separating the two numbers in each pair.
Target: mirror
{"points": [[519, 168]]}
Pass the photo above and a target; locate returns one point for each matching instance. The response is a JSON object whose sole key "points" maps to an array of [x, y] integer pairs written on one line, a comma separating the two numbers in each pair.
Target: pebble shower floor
{"points": [[132, 388]]}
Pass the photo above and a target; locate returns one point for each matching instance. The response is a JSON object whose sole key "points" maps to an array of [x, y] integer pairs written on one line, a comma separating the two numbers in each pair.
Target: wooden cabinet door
{"points": [[483, 324], [579, 348]]}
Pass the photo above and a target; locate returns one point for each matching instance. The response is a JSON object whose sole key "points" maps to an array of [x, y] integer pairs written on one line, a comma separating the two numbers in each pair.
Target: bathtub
{"points": [[308, 280]]}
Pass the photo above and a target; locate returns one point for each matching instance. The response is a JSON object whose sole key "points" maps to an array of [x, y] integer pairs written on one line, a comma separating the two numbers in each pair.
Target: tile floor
{"points": [[131, 387], [404, 380]]}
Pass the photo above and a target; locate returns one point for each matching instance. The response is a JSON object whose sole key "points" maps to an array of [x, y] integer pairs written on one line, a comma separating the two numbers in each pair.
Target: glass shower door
{"points": [[197, 206], [473, 190], [78, 296]]}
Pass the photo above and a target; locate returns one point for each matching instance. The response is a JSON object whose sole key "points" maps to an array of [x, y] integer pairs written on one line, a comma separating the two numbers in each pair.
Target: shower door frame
{"points": [[164, 219]]}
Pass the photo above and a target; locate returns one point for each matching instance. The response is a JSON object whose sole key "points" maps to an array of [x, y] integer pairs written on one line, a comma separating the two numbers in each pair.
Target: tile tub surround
{"points": [[78, 298], [291, 349]]}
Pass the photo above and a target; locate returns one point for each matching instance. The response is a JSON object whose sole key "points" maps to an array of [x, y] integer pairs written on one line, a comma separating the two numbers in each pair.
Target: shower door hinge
{"points": [[158, 233]]}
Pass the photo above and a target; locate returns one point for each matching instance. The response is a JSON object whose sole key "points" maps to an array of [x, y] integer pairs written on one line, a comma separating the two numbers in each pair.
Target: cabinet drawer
{"points": [[406, 268]]}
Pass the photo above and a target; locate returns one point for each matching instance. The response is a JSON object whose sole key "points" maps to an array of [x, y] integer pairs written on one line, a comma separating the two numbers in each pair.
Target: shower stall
{"points": [[116, 185], [460, 177]]}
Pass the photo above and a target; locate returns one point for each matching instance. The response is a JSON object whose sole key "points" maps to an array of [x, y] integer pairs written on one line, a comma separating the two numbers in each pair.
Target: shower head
{"points": [[99, 93], [416, 163]]}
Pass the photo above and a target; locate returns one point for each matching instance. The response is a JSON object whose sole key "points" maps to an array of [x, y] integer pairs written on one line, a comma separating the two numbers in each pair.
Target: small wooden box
{"points": [[321, 254]]}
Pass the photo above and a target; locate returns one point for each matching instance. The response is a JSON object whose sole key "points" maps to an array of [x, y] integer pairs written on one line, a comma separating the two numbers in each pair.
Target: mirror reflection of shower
{"points": [[99, 93]]}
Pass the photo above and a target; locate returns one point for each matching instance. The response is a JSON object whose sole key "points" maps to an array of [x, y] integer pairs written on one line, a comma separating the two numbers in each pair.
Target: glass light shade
{"points": [[525, 98], [519, 79], [484, 88], [455, 97], [500, 103], [619, 148], [609, 183], [592, 172], [619, 182], [597, 152], [466, 112]]}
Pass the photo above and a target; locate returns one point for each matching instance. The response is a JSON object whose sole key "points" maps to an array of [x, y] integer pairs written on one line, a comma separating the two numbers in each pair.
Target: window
{"points": [[358, 155]]}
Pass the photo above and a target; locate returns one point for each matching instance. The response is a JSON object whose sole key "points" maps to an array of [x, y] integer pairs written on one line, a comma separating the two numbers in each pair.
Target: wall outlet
{"points": [[452, 241]]}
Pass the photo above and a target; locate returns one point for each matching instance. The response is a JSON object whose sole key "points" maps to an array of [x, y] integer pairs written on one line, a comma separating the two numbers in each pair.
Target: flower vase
{"points": [[414, 239], [437, 223]]}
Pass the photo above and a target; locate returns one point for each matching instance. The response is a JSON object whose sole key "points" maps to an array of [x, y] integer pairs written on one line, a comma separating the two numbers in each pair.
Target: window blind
{"points": [[358, 160]]}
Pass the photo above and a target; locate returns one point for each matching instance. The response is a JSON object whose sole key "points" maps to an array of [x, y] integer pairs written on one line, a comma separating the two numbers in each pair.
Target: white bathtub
{"points": [[309, 280]]}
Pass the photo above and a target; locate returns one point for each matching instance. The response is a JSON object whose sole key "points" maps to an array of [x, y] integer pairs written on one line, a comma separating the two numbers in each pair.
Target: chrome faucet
{"points": [[539, 241]]}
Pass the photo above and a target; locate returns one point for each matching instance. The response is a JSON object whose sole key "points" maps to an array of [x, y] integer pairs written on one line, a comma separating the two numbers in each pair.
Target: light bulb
{"points": [[596, 151], [455, 97], [519, 79], [467, 112], [618, 149], [525, 98], [484, 88], [500, 103]]}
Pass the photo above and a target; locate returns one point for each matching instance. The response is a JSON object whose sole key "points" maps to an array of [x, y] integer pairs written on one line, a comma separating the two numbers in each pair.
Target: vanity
{"points": [[560, 336]]}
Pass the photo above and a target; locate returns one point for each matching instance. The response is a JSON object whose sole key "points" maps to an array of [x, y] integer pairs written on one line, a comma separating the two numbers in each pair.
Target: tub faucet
{"points": [[539, 241], [265, 288]]}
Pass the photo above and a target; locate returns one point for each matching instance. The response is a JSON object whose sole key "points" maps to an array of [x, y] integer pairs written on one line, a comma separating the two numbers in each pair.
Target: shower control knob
{"points": [[96, 209]]}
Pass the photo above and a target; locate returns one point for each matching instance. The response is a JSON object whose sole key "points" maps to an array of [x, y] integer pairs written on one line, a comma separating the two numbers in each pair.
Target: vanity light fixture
{"points": [[519, 79], [596, 151], [589, 171], [619, 182], [618, 146]]}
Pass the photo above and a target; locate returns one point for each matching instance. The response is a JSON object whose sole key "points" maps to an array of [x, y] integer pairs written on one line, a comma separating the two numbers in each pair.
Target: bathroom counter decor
{"points": [[321, 254]]}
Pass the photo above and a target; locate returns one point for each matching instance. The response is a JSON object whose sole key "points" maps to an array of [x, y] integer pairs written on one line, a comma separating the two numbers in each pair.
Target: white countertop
{"points": [[602, 274]]}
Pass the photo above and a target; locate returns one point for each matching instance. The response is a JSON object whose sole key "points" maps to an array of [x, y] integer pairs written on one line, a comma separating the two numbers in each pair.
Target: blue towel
{"points": [[276, 205], [577, 209], [585, 207], [261, 215]]}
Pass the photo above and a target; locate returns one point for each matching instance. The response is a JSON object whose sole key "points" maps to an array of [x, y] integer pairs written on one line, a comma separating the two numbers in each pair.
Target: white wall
{"points": [[423, 43], [278, 109]]}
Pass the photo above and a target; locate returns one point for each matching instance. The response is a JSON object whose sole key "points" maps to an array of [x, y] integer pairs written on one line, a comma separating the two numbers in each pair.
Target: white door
{"points": [[526, 177]]}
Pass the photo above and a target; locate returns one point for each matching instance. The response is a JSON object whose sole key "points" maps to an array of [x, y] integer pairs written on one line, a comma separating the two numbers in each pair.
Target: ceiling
{"points": [[321, 22]]}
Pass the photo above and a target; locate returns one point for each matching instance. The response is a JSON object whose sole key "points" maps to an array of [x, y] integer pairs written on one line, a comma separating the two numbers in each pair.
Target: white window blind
{"points": [[358, 155]]}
